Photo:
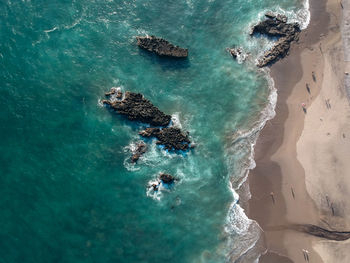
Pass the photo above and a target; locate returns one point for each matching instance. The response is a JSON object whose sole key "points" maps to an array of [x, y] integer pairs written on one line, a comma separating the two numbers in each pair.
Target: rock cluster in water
{"points": [[276, 26], [136, 108], [161, 47], [166, 178], [171, 137], [235, 52], [141, 148]]}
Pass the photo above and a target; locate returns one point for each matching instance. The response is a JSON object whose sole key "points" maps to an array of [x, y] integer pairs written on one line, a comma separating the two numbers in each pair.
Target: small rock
{"points": [[140, 150], [166, 178]]}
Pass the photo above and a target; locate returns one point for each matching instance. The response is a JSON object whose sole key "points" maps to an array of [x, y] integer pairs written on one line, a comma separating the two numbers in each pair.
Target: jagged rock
{"points": [[155, 187], [166, 178], [278, 51], [137, 108], [111, 92], [282, 18], [172, 138], [276, 26], [119, 94], [279, 17], [238, 54], [114, 91], [270, 15], [149, 132], [140, 150], [235, 52], [161, 47]]}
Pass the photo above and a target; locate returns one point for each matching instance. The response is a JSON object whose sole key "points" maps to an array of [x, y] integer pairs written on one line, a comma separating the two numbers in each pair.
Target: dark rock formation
{"points": [[114, 91], [140, 150], [137, 108], [155, 187], [321, 232], [119, 94], [161, 47], [276, 26], [235, 52], [172, 138], [166, 178], [278, 17]]}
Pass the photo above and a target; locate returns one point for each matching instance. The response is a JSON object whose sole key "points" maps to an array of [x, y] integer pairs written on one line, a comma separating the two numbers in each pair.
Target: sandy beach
{"points": [[302, 168]]}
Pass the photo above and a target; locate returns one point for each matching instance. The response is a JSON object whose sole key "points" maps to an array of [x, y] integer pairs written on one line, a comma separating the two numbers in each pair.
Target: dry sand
{"points": [[304, 159]]}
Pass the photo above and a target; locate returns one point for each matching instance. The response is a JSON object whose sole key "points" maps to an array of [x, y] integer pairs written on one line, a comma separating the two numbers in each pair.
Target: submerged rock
{"points": [[235, 52], [172, 138], [161, 47], [238, 54], [140, 150], [137, 108], [166, 178], [276, 26]]}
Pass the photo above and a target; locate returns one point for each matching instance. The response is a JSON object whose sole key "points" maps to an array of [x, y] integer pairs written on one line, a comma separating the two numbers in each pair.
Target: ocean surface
{"points": [[69, 192]]}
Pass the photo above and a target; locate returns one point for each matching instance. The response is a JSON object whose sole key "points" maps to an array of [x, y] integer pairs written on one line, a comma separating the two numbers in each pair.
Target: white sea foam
{"points": [[51, 30], [244, 140], [175, 119], [258, 46], [128, 150], [237, 221], [157, 195], [248, 231], [302, 16]]}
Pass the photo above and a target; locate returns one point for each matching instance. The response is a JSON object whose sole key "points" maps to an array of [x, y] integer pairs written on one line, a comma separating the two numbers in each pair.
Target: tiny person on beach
{"points": [[272, 197], [303, 106]]}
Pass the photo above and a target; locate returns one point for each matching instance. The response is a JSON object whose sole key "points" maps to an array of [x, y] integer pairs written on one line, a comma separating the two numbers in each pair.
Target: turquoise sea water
{"points": [[68, 190]]}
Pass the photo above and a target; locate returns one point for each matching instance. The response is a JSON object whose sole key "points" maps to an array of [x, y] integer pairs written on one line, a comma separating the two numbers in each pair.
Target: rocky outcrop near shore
{"points": [[136, 108], [276, 26], [161, 47], [172, 138]]}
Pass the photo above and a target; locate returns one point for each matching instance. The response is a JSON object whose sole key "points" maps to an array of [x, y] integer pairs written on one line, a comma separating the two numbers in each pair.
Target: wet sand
{"points": [[287, 187]]}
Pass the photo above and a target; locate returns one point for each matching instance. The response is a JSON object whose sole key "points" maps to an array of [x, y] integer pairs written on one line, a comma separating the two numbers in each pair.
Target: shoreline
{"points": [[278, 165]]}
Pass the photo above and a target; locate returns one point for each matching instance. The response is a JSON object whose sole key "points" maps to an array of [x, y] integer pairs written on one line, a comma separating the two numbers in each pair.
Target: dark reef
{"points": [[166, 178], [161, 47], [235, 52], [137, 108], [140, 150], [172, 138], [276, 26]]}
